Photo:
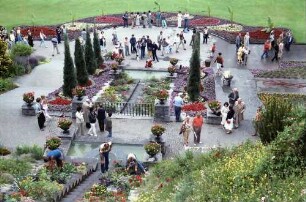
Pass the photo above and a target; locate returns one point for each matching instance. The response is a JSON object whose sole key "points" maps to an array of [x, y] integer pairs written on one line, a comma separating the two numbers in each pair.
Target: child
{"points": [[213, 50], [219, 61]]}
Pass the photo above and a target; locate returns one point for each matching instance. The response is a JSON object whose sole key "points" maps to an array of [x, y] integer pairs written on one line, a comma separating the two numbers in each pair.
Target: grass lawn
{"points": [[286, 13]]}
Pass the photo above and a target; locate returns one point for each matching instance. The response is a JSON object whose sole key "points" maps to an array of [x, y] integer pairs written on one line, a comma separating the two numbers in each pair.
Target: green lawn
{"points": [[287, 13]]}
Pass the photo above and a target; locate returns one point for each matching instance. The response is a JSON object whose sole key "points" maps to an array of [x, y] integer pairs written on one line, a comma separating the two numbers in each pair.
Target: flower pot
{"points": [[162, 101], [158, 138], [80, 97], [171, 73], [66, 130]]}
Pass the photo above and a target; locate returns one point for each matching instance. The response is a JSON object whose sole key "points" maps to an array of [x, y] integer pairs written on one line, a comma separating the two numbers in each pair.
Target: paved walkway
{"points": [[16, 129]]}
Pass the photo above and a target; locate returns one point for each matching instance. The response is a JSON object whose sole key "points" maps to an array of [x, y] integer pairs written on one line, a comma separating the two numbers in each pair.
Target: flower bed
{"points": [[109, 19], [204, 21]]}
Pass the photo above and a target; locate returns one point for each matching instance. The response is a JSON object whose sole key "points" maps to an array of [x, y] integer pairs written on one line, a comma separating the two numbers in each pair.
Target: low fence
{"points": [[129, 109]]}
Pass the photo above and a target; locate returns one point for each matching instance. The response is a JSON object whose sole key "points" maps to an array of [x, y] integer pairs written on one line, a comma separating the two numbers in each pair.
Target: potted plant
{"points": [[79, 91], [173, 61], [215, 107], [28, 97], [149, 63], [64, 124], [157, 129], [152, 148], [114, 67], [119, 59], [114, 55], [227, 78], [171, 70], [53, 143], [162, 95]]}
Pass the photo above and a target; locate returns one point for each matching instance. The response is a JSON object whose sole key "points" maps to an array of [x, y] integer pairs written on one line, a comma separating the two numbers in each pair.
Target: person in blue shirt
{"points": [[178, 102], [54, 155]]}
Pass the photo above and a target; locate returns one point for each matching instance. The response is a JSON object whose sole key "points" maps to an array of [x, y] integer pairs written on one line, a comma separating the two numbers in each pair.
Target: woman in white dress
{"points": [[44, 104], [179, 19], [137, 20], [246, 40], [224, 111], [229, 121]]}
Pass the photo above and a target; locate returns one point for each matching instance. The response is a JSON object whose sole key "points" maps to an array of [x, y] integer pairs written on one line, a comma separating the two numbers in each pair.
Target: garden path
{"points": [[47, 77]]}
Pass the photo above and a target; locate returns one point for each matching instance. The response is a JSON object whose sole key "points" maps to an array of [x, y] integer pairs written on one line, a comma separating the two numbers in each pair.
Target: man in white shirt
{"points": [[79, 121], [178, 102]]}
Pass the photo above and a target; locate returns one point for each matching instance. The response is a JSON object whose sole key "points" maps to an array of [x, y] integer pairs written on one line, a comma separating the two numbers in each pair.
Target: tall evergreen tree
{"points": [[193, 87], [97, 49], [89, 55], [69, 72], [81, 71]]}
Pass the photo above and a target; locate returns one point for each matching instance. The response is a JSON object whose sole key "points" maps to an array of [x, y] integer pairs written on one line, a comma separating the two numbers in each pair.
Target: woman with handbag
{"points": [[185, 130]]}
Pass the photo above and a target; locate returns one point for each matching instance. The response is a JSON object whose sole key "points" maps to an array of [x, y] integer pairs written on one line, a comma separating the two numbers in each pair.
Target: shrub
{"points": [[80, 65], [35, 151], [17, 168], [97, 49], [4, 151], [273, 117], [18, 69], [5, 61], [89, 55], [20, 49], [6, 84]]}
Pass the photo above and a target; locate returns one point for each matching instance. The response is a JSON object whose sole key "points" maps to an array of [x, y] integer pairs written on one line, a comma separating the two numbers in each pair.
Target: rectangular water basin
{"points": [[145, 75], [118, 152]]}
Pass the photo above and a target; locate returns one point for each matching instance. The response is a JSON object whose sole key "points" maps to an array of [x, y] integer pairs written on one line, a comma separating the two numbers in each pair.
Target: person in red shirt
{"points": [[197, 127], [267, 47]]}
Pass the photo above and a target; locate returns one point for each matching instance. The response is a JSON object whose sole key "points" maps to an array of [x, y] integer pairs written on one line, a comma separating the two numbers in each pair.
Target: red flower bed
{"points": [[35, 31], [204, 21], [258, 34], [196, 106], [60, 101], [109, 19]]}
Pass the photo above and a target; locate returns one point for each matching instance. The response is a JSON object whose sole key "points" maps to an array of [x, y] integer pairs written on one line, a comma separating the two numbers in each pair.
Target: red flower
{"points": [[60, 101], [108, 19], [196, 106], [204, 21], [36, 30]]}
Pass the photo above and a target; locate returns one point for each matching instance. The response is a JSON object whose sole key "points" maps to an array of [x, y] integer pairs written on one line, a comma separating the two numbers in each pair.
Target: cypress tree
{"points": [[89, 55], [193, 86], [97, 49], [81, 71], [69, 72]]}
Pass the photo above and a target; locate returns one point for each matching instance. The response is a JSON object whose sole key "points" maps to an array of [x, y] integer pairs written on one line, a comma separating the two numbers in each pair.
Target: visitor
{"points": [[126, 47], [272, 38], [42, 38], [149, 47], [12, 38], [133, 166], [205, 35], [133, 17], [143, 47], [55, 46], [224, 111], [233, 96], [186, 128], [276, 51], [246, 40], [101, 117], [158, 18], [83, 35], [266, 49], [245, 53], [186, 21], [104, 150], [115, 37], [79, 121], [41, 119], [125, 18], [164, 45], [219, 60], [163, 20], [133, 44], [178, 103], [64, 30], [229, 121], [193, 37], [239, 109], [103, 43], [288, 40], [18, 35], [181, 41], [179, 19], [44, 104], [240, 55], [92, 120], [238, 41], [213, 50], [85, 107], [281, 50], [160, 39], [154, 49], [30, 39], [150, 19], [58, 34], [197, 124], [109, 125], [144, 19], [256, 120], [54, 155], [137, 20]]}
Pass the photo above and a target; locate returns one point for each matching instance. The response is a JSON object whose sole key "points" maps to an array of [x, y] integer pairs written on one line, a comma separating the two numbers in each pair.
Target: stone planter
{"points": [[28, 109], [162, 112]]}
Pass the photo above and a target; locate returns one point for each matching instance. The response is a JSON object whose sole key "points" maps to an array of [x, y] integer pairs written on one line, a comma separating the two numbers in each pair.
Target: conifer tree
{"points": [[193, 86], [89, 55], [97, 49], [80, 65], [69, 72]]}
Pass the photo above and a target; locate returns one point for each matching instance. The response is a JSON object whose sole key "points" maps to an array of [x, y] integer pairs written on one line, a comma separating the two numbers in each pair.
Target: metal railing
{"points": [[128, 109]]}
